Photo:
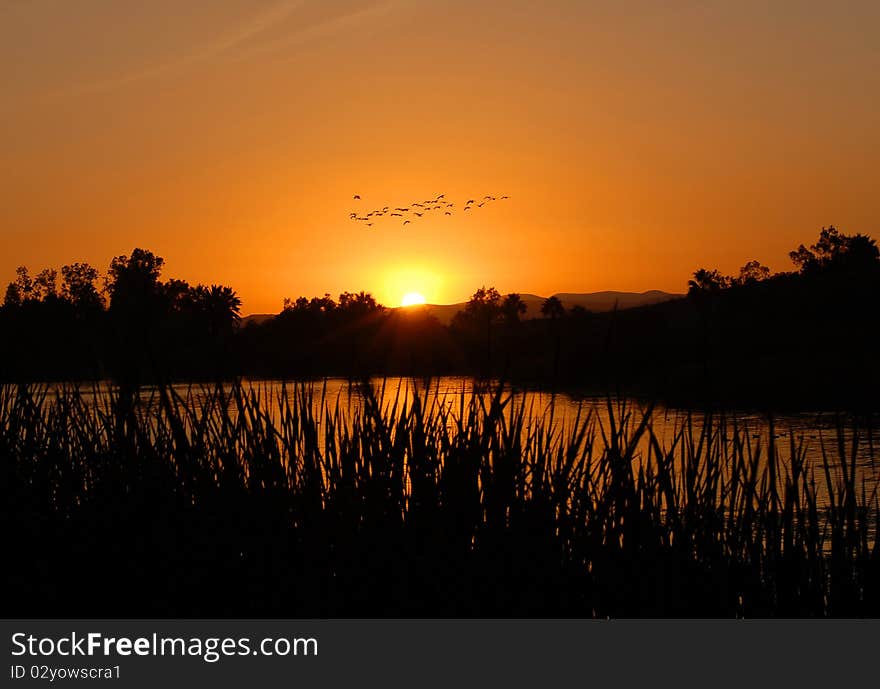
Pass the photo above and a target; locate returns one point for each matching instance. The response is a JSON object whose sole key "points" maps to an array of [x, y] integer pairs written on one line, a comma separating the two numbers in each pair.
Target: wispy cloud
{"points": [[247, 34], [319, 28]]}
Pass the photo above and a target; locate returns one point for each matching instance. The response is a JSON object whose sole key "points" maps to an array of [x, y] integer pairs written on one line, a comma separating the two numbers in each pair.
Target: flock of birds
{"points": [[420, 209]]}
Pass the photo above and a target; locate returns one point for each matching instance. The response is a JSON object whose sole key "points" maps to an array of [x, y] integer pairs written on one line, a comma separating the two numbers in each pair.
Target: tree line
{"points": [[834, 255], [129, 324], [757, 335]]}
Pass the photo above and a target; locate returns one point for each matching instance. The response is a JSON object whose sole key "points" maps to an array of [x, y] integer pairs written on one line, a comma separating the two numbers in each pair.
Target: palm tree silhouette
{"points": [[513, 307], [221, 307], [552, 308]]}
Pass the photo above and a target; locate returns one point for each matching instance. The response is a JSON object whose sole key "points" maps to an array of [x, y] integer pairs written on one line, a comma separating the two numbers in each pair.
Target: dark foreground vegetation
{"points": [[805, 338], [224, 504], [135, 502]]}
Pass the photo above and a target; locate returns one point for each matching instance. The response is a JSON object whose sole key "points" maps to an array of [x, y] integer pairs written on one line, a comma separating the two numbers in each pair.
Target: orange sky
{"points": [[637, 140]]}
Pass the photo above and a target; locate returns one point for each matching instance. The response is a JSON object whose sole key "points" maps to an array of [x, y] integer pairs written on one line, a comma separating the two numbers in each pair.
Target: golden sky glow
{"points": [[637, 141]]}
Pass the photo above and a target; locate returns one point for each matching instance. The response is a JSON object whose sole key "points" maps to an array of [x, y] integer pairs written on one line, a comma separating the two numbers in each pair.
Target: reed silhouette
{"points": [[221, 502]]}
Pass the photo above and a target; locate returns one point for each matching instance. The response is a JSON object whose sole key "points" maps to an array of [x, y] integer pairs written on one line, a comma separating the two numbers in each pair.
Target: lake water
{"points": [[814, 433]]}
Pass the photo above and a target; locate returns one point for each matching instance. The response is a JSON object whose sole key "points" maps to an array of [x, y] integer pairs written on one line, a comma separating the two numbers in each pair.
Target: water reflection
{"points": [[823, 439]]}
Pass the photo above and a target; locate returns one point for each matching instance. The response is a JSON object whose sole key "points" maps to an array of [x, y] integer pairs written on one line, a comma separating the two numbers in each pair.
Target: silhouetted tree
{"points": [[834, 250], [358, 304], [484, 304], [753, 272], [315, 305], [138, 306], [708, 281], [12, 298], [221, 307], [46, 284], [512, 308], [552, 308], [25, 288], [480, 313], [298, 304], [78, 286], [22, 289], [133, 281], [321, 334], [180, 296]]}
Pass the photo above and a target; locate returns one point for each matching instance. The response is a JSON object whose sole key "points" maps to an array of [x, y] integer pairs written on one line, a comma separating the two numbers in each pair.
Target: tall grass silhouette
{"points": [[230, 502]]}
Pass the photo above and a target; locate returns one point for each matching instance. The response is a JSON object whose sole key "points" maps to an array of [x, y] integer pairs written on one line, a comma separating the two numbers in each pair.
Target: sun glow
{"points": [[409, 283], [412, 299]]}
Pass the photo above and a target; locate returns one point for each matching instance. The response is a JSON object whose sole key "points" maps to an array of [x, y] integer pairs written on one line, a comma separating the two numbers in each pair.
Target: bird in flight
{"points": [[440, 202]]}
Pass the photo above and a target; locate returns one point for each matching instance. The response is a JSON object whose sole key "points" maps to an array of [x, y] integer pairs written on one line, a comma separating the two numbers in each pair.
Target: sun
{"points": [[411, 299]]}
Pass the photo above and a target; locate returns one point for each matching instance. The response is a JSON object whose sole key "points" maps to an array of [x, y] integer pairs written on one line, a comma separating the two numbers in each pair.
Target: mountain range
{"points": [[591, 301]]}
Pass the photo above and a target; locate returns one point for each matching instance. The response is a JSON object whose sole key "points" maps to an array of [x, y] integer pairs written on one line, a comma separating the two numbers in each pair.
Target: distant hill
{"points": [[609, 300], [256, 319], [591, 301]]}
